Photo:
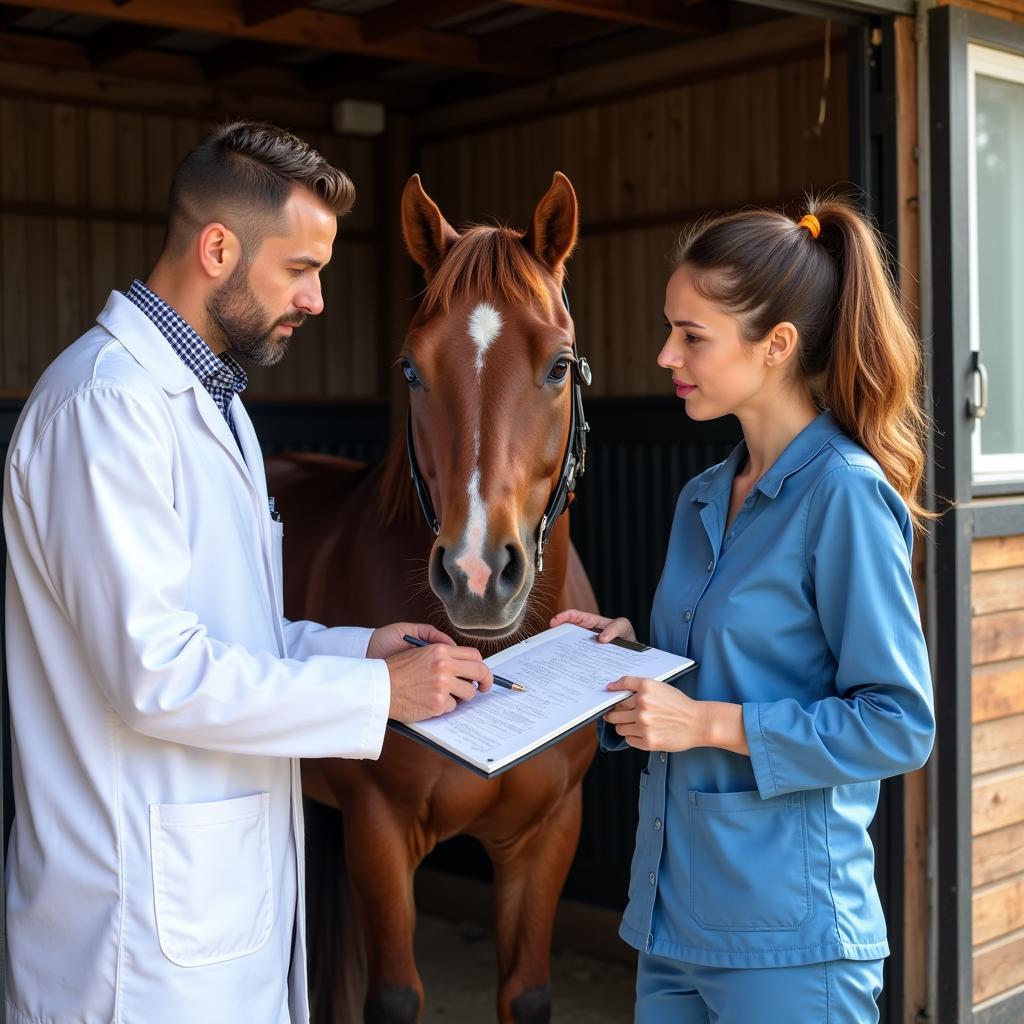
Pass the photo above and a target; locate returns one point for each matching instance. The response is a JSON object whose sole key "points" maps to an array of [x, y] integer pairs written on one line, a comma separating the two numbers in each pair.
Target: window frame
{"points": [[1003, 472]]}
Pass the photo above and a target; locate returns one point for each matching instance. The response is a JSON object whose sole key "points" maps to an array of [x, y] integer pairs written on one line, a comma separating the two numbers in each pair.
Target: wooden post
{"points": [[915, 785]]}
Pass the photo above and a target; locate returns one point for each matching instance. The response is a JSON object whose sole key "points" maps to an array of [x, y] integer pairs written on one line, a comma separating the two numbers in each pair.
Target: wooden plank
{"points": [[997, 855], [997, 690], [666, 15], [997, 744], [998, 968], [997, 637], [402, 15], [997, 801], [12, 131], [997, 553], [997, 909], [327, 30], [907, 186], [14, 243], [28, 68], [1010, 12], [997, 590], [728, 53]]}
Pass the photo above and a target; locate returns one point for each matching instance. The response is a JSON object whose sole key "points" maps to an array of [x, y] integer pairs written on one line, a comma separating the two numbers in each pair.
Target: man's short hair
{"points": [[242, 175]]}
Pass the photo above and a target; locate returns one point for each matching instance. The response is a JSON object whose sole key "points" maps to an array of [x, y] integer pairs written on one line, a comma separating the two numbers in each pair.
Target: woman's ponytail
{"points": [[871, 368], [827, 275]]}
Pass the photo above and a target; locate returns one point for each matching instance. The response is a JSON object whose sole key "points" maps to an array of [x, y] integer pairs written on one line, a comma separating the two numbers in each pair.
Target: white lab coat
{"points": [[158, 699]]}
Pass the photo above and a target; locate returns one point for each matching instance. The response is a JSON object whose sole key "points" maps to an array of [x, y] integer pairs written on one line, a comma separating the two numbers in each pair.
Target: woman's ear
{"points": [[782, 343]]}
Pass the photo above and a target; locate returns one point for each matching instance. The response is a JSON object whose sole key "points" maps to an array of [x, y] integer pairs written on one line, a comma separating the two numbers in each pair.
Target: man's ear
{"points": [[219, 250]]}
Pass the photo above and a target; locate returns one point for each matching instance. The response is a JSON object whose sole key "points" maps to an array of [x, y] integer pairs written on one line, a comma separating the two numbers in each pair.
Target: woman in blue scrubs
{"points": [[788, 579]]}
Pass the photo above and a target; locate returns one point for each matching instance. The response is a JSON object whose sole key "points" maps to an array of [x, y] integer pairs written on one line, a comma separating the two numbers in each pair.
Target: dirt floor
{"points": [[457, 964]]}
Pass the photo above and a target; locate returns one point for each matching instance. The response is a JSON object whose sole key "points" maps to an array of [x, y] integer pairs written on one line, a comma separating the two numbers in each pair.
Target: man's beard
{"points": [[244, 325]]}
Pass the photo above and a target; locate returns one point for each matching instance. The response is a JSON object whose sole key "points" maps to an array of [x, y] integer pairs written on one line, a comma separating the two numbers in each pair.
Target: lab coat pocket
{"points": [[748, 862], [212, 881]]}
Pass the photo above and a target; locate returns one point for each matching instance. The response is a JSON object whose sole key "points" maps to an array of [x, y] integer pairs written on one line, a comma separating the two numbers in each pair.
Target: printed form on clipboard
{"points": [[565, 671]]}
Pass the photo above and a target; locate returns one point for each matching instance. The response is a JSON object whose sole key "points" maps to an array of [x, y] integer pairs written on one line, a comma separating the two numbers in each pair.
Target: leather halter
{"points": [[574, 461]]}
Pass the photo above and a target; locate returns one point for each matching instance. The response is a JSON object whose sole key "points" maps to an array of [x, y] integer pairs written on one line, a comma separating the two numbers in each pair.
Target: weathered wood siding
{"points": [[997, 762], [83, 191], [1013, 10], [642, 167]]}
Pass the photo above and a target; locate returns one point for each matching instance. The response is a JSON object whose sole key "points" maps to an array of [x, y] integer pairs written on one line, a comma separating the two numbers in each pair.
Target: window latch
{"points": [[977, 403]]}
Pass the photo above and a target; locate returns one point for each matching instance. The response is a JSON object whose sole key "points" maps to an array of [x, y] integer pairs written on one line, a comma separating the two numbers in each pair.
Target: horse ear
{"points": [[552, 235], [428, 236]]}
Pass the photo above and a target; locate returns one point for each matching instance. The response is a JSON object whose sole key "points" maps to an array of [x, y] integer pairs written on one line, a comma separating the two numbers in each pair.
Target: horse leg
{"points": [[381, 866], [529, 873]]}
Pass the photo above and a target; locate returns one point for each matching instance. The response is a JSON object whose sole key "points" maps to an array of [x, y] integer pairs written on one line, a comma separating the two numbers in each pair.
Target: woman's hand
{"points": [[610, 628], [660, 717]]}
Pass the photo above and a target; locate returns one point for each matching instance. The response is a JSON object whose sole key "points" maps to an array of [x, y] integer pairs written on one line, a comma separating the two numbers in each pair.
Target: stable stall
{"points": [[658, 113]]}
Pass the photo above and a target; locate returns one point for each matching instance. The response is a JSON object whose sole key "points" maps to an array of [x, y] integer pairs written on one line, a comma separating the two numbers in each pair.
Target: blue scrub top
{"points": [[804, 613]]}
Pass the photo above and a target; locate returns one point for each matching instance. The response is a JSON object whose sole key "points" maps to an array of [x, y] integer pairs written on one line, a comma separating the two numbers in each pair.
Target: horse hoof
{"points": [[393, 1006], [532, 1006]]}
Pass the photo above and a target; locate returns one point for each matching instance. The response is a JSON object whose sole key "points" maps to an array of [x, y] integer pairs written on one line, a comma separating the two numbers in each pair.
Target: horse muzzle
{"points": [[484, 591]]}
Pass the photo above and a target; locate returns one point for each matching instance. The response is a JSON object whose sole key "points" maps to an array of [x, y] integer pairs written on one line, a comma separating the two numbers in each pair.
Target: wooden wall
{"points": [[83, 190], [642, 167], [997, 763], [1012, 10]]}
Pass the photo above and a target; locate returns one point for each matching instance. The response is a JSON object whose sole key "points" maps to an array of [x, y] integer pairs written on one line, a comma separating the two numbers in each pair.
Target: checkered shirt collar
{"points": [[222, 376]]}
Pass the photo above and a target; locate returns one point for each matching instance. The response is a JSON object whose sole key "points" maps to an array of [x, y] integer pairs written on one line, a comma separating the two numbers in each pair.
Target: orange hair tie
{"points": [[809, 221]]}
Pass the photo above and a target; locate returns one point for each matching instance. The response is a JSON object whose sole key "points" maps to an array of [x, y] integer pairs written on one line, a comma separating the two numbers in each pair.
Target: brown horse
{"points": [[491, 364]]}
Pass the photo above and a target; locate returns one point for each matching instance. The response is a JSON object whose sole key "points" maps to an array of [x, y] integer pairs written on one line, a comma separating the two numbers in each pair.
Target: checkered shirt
{"points": [[222, 376]]}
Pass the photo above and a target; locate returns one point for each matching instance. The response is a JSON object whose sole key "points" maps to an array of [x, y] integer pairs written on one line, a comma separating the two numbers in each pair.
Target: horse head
{"points": [[496, 433]]}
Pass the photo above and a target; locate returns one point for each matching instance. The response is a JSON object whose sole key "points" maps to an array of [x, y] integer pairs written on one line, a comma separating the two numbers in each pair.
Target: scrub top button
{"points": [[657, 824], [711, 565], [653, 877], [687, 615], [662, 757]]}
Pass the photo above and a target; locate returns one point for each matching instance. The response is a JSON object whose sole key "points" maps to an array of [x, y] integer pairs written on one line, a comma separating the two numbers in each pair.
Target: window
{"points": [[995, 174]]}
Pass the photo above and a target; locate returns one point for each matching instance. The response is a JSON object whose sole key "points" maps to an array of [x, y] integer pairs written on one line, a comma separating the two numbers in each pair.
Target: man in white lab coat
{"points": [[158, 696]]}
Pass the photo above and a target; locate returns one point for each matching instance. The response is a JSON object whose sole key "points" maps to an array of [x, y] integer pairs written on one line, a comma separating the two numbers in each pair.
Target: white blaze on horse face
{"points": [[484, 328], [471, 561]]}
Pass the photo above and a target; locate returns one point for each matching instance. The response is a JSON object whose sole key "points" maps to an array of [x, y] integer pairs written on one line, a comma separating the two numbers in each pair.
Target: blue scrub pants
{"points": [[836, 992]]}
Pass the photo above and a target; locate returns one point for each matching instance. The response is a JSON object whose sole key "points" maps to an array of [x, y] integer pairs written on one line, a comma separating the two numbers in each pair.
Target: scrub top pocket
{"points": [[212, 878], [748, 862]]}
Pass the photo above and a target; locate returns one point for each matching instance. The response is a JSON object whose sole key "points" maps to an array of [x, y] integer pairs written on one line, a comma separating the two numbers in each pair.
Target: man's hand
{"points": [[388, 639], [428, 681], [609, 628]]}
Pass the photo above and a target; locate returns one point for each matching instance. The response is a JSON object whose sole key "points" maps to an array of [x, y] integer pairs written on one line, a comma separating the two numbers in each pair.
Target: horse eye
{"points": [[559, 370], [409, 372]]}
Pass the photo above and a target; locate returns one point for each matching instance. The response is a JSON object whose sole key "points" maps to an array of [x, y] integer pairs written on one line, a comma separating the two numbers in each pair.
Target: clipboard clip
{"points": [[628, 645]]}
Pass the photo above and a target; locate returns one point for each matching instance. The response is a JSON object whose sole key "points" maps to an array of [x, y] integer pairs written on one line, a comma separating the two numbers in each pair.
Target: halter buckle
{"points": [[540, 542]]}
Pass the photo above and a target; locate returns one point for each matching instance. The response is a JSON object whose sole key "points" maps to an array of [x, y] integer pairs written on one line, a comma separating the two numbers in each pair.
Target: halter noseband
{"points": [[574, 462]]}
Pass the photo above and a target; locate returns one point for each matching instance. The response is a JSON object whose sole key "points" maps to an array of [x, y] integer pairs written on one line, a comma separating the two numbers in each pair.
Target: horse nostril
{"points": [[440, 578], [511, 575]]}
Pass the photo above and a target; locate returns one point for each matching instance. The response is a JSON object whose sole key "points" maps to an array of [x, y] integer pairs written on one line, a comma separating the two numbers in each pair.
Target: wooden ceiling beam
{"points": [[236, 56], [255, 12], [325, 30], [407, 15], [9, 14], [548, 32], [112, 42], [667, 15]]}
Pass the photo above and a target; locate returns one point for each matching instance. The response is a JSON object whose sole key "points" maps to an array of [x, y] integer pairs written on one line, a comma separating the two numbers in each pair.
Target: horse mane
{"points": [[396, 497], [488, 261]]}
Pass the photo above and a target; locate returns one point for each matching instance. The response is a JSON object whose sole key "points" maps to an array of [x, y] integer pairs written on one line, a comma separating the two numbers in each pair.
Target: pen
{"points": [[498, 681]]}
